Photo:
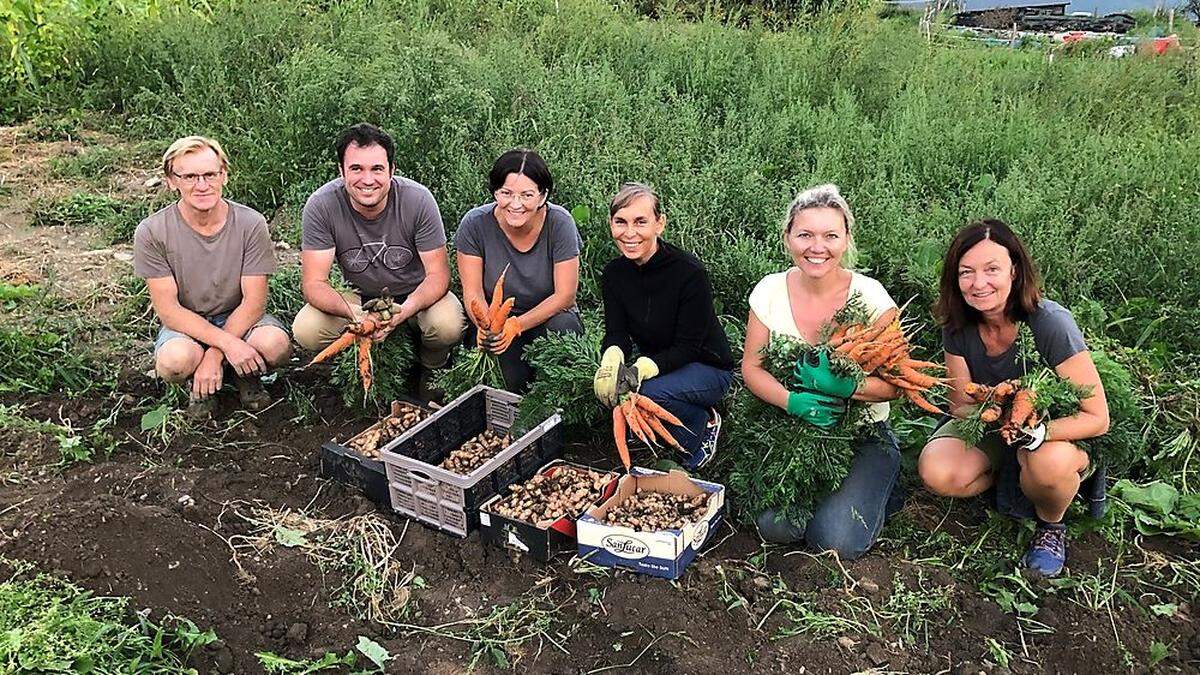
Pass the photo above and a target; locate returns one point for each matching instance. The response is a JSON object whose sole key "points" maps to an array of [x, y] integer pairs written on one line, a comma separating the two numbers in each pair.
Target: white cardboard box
{"points": [[665, 553]]}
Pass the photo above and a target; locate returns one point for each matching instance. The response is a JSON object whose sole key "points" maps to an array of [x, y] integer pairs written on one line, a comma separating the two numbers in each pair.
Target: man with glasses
{"points": [[386, 234], [206, 260]]}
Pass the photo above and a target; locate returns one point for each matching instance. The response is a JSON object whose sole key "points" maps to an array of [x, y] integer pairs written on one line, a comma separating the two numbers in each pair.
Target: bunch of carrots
{"points": [[490, 318], [1008, 403], [362, 332], [881, 348], [646, 420]]}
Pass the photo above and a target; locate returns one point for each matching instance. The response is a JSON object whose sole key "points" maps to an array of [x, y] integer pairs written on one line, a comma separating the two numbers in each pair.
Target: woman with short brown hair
{"points": [[989, 288]]}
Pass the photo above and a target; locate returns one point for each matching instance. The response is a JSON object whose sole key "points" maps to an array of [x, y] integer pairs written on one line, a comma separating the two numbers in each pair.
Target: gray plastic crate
{"points": [[422, 490]]}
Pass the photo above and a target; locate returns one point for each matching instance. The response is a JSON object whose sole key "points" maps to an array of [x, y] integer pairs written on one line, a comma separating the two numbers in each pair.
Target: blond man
{"points": [[206, 260]]}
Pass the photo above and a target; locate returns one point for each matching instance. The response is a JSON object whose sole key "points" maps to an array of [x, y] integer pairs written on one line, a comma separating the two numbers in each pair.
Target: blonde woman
{"points": [[818, 234]]}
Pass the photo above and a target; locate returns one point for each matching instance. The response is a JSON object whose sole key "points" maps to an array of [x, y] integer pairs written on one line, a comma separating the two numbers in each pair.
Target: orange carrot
{"points": [[497, 293], [640, 426], [1022, 406], [619, 427], [345, 340], [657, 410], [918, 378], [364, 362], [990, 414], [977, 392], [923, 364], [904, 384], [501, 314], [921, 403], [1004, 390], [838, 333], [657, 425], [480, 312]]}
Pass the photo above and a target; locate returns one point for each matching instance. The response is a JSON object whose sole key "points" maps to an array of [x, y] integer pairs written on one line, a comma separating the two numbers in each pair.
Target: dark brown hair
{"points": [[952, 310]]}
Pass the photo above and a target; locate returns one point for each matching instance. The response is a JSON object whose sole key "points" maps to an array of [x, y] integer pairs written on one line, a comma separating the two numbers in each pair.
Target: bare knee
{"points": [[1053, 465], [272, 343], [177, 359], [945, 476]]}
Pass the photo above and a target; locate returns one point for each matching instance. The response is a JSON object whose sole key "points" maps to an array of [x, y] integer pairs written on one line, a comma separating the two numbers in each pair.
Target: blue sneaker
{"points": [[708, 444], [1047, 554]]}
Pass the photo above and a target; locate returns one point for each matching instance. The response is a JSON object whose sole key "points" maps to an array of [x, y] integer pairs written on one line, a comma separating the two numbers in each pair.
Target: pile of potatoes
{"points": [[541, 500], [654, 511], [476, 452], [403, 417]]}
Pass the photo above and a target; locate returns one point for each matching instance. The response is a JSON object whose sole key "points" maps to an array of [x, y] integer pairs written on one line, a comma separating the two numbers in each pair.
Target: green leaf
{"points": [[154, 418], [499, 657], [1158, 652], [581, 213], [371, 649], [289, 537], [1164, 609], [1157, 497]]}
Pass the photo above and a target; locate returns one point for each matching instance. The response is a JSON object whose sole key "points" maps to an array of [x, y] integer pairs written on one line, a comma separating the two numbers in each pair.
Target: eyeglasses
{"points": [[190, 179], [508, 196]]}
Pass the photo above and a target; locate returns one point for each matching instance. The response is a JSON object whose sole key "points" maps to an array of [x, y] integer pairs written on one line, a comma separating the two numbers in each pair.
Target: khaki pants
{"points": [[439, 326]]}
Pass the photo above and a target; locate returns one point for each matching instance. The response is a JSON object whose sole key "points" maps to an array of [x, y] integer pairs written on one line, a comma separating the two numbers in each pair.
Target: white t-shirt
{"points": [[769, 302]]}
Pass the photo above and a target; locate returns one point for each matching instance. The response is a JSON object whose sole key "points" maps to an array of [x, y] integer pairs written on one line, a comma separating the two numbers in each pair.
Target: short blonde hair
{"points": [[826, 196], [629, 192], [191, 144]]}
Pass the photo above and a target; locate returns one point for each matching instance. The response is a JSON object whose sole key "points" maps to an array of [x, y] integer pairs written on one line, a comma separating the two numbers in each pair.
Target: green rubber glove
{"points": [[815, 408], [814, 373], [645, 368], [612, 365]]}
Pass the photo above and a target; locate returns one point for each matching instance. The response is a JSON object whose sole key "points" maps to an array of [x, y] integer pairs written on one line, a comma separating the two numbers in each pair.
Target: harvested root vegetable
{"points": [[475, 452], [380, 312], [646, 420], [543, 499], [654, 511], [403, 417]]}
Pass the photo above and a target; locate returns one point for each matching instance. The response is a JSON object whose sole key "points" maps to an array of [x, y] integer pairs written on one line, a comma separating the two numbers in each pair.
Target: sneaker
{"points": [[1047, 553], [251, 394], [200, 409], [708, 444]]}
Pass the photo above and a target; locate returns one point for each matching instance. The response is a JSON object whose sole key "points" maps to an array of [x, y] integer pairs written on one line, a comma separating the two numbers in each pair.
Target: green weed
{"points": [[51, 625], [40, 359], [94, 164], [116, 218]]}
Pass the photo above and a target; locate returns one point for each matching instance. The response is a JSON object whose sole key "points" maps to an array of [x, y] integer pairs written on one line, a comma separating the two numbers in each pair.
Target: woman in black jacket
{"points": [[658, 299]]}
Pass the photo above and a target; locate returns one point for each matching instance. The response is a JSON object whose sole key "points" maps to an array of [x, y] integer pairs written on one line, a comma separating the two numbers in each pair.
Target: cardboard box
{"points": [[662, 554], [539, 543]]}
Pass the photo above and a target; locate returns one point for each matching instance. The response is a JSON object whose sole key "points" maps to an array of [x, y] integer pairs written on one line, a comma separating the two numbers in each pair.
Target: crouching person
{"points": [[658, 298], [386, 234], [206, 260], [818, 234]]}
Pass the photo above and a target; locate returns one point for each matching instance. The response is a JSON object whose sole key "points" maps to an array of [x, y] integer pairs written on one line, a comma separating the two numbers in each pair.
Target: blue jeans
{"points": [[849, 520], [218, 320], [688, 393]]}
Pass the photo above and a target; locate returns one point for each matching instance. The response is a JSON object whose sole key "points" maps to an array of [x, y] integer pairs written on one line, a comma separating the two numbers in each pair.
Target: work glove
{"points": [[500, 342], [644, 369], [815, 408], [813, 372], [608, 375], [1030, 439]]}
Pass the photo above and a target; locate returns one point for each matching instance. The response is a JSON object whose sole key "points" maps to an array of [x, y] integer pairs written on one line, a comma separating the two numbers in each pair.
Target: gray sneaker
{"points": [[251, 393], [708, 444]]}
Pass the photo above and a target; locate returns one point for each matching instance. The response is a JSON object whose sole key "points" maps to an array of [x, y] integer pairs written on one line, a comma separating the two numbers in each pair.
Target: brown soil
{"points": [[155, 524]]}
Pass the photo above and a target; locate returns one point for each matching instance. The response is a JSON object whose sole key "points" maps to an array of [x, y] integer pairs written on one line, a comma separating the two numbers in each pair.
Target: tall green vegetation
{"points": [[1089, 158]]}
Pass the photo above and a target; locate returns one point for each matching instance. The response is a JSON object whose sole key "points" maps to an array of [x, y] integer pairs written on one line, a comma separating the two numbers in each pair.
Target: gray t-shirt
{"points": [[530, 277], [1055, 334], [379, 253], [207, 270]]}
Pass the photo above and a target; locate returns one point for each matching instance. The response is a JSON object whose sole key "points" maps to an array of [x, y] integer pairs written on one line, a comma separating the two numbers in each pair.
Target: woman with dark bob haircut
{"points": [[537, 242], [989, 290]]}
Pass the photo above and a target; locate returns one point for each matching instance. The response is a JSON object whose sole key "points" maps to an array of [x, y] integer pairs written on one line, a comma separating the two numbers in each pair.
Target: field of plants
{"points": [[133, 540]]}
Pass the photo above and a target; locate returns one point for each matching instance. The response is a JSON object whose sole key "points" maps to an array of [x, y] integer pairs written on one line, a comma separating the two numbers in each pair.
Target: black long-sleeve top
{"points": [[665, 307]]}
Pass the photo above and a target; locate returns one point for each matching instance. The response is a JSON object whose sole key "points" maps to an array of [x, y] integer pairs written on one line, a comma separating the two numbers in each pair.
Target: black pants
{"points": [[517, 373]]}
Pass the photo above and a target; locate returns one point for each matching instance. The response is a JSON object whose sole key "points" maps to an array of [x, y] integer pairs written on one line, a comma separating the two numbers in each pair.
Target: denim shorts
{"points": [[165, 334]]}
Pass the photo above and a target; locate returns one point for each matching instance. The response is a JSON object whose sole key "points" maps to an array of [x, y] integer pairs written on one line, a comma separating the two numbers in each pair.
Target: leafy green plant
{"points": [[563, 365], [51, 625], [392, 363], [42, 360], [117, 218]]}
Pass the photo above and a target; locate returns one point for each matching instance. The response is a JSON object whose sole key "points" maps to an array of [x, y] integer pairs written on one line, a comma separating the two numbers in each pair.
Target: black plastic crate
{"points": [[367, 474], [422, 490]]}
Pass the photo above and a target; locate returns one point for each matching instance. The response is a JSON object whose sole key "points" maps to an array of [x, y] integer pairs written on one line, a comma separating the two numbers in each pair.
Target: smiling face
{"points": [[518, 200], [817, 241], [368, 177], [636, 229], [199, 177], [985, 276]]}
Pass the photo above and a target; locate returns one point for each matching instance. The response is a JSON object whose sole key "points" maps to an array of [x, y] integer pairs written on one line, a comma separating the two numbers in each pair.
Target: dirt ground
{"points": [[167, 527]]}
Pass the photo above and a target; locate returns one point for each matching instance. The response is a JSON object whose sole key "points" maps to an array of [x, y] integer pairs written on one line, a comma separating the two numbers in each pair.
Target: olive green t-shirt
{"points": [[207, 270]]}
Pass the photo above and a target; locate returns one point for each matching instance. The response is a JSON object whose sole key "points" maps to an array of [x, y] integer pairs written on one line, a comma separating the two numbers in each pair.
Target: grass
{"points": [[51, 625], [42, 358], [116, 218]]}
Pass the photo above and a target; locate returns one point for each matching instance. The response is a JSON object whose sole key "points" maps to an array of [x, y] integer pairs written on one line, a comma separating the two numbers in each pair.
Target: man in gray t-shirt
{"points": [[385, 233], [205, 260]]}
